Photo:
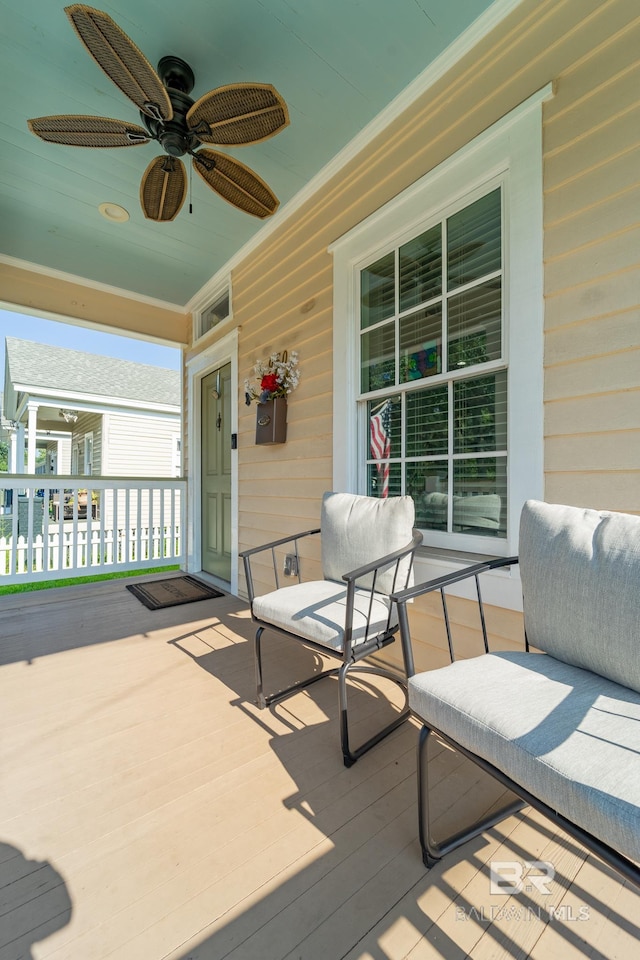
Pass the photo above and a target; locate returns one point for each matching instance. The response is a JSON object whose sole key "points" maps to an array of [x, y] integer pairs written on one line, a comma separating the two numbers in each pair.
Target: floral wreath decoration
{"points": [[278, 376]]}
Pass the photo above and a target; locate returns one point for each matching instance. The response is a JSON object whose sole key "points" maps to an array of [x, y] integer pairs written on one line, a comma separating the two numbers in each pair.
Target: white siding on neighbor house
{"points": [[89, 423], [138, 446]]}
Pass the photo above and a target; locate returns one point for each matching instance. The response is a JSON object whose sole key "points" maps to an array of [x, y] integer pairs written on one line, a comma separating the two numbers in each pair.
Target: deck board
{"points": [[149, 811]]}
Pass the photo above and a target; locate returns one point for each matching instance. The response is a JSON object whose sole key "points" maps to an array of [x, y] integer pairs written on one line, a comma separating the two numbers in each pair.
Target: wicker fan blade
{"points": [[239, 113], [80, 131], [121, 60], [163, 189], [235, 183]]}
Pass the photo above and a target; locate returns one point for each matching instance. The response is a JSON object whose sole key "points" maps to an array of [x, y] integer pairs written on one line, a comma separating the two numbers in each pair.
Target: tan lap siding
{"points": [[592, 278], [283, 292]]}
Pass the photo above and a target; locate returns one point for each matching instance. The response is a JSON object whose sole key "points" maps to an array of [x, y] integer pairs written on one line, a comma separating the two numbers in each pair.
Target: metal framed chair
{"points": [[367, 547]]}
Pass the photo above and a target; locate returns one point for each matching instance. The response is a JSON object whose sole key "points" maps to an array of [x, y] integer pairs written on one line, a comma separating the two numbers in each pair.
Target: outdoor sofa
{"points": [[559, 727]]}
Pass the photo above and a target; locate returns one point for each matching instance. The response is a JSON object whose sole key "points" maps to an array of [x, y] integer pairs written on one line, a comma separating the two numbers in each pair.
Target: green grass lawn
{"points": [[72, 581]]}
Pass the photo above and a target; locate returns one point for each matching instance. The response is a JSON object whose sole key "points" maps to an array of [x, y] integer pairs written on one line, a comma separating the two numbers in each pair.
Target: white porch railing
{"points": [[56, 527]]}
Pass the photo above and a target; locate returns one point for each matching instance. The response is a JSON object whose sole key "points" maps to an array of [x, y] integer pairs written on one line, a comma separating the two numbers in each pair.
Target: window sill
{"points": [[500, 588]]}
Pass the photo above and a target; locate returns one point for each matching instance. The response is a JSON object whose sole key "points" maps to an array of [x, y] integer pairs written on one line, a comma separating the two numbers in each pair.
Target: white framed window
{"points": [[438, 342], [88, 454], [176, 455], [216, 312]]}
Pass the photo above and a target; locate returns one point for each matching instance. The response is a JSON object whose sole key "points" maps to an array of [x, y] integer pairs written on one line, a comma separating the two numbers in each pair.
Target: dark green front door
{"points": [[216, 473]]}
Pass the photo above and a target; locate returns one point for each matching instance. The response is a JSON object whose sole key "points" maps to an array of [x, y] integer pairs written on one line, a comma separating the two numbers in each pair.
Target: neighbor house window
{"points": [[88, 454], [433, 374], [438, 307]]}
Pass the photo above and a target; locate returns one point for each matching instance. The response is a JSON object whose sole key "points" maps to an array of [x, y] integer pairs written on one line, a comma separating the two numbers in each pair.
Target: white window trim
{"points": [[512, 148]]}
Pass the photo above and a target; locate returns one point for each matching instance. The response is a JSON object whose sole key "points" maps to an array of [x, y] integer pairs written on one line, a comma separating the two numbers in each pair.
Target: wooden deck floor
{"points": [[148, 810]]}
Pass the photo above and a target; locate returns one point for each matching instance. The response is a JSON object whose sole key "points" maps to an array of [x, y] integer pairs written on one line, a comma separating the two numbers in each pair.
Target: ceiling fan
{"points": [[233, 115]]}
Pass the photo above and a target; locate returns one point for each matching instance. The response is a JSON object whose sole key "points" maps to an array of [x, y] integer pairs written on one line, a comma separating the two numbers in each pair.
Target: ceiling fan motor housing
{"points": [[174, 135]]}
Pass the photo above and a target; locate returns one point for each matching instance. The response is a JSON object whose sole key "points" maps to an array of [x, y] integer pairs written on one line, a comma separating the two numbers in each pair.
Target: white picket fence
{"points": [[131, 523]]}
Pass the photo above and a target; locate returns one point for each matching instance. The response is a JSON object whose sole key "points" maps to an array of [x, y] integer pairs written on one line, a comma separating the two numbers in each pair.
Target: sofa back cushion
{"points": [[580, 574], [357, 530]]}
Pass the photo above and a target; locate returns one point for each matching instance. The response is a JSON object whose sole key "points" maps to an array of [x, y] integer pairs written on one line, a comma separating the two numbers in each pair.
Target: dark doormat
{"points": [[169, 593]]}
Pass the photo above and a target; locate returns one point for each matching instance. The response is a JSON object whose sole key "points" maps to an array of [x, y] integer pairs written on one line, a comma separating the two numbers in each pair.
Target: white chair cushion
{"points": [[316, 611], [357, 530]]}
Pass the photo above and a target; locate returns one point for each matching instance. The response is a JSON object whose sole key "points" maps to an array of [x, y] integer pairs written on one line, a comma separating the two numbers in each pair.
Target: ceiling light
{"points": [[114, 212]]}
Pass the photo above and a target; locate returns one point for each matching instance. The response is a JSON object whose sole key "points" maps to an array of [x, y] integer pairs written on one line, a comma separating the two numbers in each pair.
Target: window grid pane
{"points": [[378, 360], [421, 268], [474, 241], [377, 291], [443, 445], [480, 413], [421, 344], [474, 328]]}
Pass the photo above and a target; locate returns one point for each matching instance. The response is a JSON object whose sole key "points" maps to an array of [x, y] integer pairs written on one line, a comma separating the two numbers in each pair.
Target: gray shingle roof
{"points": [[39, 366]]}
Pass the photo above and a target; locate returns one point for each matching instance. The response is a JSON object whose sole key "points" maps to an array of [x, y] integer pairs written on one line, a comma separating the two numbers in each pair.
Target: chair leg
{"points": [[432, 852], [350, 756], [257, 650]]}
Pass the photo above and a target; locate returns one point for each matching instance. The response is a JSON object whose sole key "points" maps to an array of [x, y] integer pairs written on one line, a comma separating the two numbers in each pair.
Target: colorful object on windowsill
{"points": [[278, 376]]}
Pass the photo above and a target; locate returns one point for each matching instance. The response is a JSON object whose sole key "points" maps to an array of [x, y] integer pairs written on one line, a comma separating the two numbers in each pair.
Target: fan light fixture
{"points": [[114, 212], [233, 115], [69, 416]]}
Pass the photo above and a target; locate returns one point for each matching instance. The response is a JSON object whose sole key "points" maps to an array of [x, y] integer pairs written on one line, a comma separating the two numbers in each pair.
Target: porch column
{"points": [[18, 463], [58, 457], [32, 430]]}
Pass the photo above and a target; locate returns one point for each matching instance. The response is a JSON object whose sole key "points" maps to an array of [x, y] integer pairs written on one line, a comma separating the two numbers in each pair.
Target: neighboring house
{"points": [[91, 415], [471, 262]]}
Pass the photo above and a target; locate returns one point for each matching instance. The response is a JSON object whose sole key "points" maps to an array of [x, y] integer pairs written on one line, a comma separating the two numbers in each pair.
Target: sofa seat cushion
{"points": [[316, 611], [566, 735]]}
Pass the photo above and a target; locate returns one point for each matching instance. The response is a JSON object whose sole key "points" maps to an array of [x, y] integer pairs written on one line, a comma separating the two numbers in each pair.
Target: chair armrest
{"points": [[248, 554], [428, 586], [389, 558], [277, 543], [401, 597]]}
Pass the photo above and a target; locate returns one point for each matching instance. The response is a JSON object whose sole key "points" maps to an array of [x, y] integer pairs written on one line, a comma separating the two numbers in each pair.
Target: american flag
{"points": [[380, 433]]}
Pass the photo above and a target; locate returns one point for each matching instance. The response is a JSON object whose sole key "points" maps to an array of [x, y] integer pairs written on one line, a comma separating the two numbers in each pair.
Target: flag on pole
{"points": [[380, 442]]}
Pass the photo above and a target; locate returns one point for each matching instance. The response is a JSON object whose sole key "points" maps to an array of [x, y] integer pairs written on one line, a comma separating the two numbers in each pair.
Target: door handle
{"points": [[219, 421]]}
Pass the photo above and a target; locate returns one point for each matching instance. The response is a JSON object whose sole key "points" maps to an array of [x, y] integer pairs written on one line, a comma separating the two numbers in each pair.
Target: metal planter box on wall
{"points": [[271, 421]]}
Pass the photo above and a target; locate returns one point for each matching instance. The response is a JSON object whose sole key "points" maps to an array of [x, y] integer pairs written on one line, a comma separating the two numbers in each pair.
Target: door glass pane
{"points": [[480, 496], [480, 413], [474, 243], [378, 358], [377, 291], [421, 268], [421, 344], [427, 416], [475, 325], [427, 484]]}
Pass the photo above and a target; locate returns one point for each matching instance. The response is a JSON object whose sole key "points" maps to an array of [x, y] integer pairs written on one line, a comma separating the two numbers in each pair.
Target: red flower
{"points": [[269, 382]]}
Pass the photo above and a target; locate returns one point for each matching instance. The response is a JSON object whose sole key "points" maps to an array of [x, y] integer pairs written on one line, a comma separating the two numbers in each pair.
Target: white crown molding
{"points": [[479, 29], [91, 284]]}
